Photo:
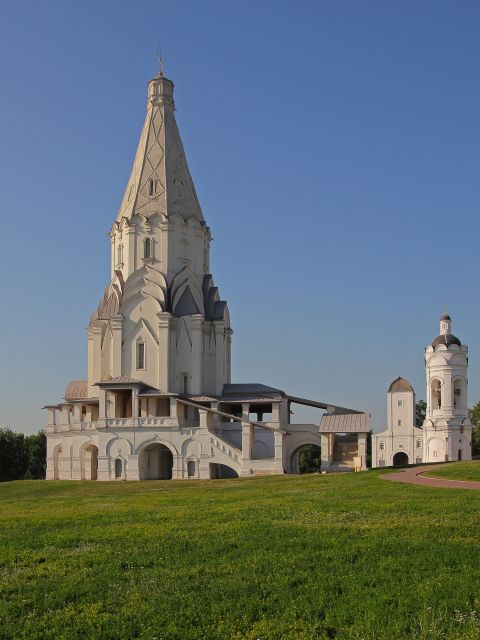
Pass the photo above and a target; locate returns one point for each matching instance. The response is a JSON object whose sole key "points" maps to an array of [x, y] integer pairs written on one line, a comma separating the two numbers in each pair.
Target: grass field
{"points": [[458, 471], [336, 556]]}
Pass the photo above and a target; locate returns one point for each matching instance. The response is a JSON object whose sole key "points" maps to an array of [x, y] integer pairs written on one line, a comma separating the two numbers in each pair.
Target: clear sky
{"points": [[335, 151]]}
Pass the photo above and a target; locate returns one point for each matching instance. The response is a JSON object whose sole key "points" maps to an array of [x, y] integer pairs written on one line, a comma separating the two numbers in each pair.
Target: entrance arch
{"points": [[306, 459], [57, 452], [89, 462], [155, 462], [400, 459]]}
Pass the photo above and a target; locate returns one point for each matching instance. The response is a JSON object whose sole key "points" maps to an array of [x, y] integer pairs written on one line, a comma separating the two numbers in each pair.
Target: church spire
{"points": [[160, 181]]}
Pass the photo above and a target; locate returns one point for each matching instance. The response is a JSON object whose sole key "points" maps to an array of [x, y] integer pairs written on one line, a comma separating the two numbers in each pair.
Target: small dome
{"points": [[447, 339], [446, 317], [76, 390], [400, 384]]}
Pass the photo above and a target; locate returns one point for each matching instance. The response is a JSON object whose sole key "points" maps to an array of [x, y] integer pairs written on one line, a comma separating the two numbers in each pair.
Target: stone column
{"points": [[325, 451], [77, 417], [135, 405], [248, 435], [173, 408], [362, 449], [276, 413], [205, 419], [278, 446], [65, 418]]}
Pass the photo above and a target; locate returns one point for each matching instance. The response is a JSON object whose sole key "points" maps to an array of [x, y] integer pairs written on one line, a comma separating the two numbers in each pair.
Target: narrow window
{"points": [[400, 403], [399, 422], [191, 469], [140, 355], [419, 444], [185, 384], [119, 254], [147, 249], [152, 187], [118, 468], [382, 446]]}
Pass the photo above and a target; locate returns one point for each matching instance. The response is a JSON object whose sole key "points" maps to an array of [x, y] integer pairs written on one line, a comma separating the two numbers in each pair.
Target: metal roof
{"points": [[247, 398], [249, 387], [345, 423]]}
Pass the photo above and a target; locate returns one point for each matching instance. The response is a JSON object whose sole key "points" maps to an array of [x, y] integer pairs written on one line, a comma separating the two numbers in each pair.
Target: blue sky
{"points": [[335, 150]]}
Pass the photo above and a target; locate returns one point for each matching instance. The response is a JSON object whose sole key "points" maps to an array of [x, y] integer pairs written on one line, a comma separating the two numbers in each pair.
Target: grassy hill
{"points": [[338, 556]]}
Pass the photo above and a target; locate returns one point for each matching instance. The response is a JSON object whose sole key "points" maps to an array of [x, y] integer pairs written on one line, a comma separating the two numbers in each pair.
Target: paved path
{"points": [[414, 475]]}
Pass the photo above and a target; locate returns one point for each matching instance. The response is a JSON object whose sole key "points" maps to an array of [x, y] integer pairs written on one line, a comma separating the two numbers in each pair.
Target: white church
{"points": [[447, 431], [158, 401]]}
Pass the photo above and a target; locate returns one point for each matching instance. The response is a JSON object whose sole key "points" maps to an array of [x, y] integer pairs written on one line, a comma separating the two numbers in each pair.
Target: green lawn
{"points": [[337, 556], [458, 471]]}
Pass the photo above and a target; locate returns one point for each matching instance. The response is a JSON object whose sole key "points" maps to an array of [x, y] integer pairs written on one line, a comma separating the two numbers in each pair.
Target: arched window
{"points": [[458, 394], [140, 354], [118, 468], [436, 394], [147, 248], [119, 255]]}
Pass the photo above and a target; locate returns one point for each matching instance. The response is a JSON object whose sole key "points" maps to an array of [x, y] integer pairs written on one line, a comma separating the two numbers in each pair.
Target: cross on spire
{"points": [[160, 62]]}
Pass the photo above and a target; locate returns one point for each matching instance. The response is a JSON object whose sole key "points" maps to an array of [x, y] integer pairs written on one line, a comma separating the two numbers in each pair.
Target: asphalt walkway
{"points": [[414, 475]]}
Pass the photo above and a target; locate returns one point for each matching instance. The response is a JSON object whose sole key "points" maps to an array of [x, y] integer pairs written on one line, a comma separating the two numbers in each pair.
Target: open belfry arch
{"points": [[158, 402]]}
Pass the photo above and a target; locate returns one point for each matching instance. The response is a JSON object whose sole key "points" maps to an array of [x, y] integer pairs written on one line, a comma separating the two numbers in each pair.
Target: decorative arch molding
{"points": [[438, 361], [140, 324], [146, 282], [150, 441], [183, 281], [191, 447], [121, 443]]}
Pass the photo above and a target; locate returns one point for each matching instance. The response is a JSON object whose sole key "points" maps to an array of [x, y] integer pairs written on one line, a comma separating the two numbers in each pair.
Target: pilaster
{"points": [[164, 330], [196, 324]]}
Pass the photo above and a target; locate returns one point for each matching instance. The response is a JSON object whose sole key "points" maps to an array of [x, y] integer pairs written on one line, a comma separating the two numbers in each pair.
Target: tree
{"points": [[309, 458], [474, 414], [420, 412], [36, 453], [22, 457], [13, 459]]}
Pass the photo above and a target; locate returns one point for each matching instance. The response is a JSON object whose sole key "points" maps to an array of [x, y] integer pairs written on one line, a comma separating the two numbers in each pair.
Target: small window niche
{"points": [[152, 187], [148, 248], [140, 353], [120, 255]]}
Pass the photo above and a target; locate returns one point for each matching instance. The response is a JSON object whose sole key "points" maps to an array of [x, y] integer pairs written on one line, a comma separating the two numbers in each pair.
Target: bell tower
{"points": [[447, 430]]}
